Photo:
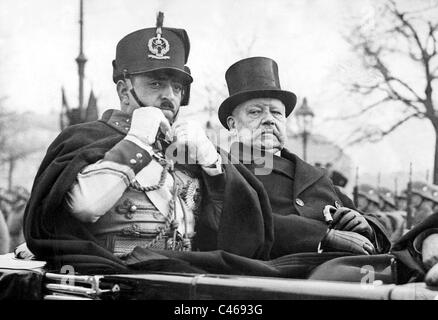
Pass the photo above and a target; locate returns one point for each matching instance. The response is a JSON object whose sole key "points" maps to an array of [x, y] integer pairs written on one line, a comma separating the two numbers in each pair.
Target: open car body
{"points": [[31, 280]]}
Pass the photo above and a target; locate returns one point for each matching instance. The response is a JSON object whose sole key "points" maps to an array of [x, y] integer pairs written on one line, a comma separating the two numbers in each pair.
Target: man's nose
{"points": [[268, 119], [167, 91]]}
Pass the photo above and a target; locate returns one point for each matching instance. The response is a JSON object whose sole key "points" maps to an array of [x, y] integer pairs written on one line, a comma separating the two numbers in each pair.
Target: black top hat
{"points": [[153, 49], [251, 78]]}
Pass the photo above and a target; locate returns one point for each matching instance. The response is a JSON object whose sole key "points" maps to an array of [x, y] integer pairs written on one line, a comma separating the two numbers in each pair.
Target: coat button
{"points": [[132, 161], [133, 208], [299, 202], [139, 155]]}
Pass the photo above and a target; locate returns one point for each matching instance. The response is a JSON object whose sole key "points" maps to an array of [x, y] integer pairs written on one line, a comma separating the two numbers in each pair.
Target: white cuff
{"points": [[215, 168], [140, 143]]}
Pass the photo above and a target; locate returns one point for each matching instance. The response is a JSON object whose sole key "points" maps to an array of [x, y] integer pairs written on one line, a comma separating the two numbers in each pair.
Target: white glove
{"points": [[188, 136], [145, 123]]}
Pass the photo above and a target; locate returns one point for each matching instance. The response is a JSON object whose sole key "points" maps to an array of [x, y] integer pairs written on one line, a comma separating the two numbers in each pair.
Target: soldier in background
{"points": [[4, 235], [422, 201], [386, 199], [395, 219], [15, 218], [434, 188], [13, 203], [368, 199], [371, 202], [401, 201], [5, 208]]}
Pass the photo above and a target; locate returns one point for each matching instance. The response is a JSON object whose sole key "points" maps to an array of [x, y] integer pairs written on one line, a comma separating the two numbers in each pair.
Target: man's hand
{"points": [[189, 137], [346, 241], [350, 220], [429, 251], [145, 123]]}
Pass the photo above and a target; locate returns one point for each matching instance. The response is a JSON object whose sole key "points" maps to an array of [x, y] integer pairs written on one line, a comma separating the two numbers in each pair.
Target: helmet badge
{"points": [[158, 46]]}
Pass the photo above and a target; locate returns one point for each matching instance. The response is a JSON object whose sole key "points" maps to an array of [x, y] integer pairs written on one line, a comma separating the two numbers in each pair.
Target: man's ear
{"points": [[231, 123], [123, 91]]}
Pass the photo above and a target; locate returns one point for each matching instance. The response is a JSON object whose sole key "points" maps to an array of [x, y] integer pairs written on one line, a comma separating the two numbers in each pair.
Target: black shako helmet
{"points": [[154, 49]]}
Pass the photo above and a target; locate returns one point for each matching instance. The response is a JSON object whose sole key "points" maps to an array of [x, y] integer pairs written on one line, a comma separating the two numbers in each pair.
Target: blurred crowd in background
{"points": [[12, 204], [397, 211]]}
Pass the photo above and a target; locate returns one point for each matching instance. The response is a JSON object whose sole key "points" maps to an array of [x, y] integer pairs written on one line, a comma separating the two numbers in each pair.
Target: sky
{"points": [[39, 42]]}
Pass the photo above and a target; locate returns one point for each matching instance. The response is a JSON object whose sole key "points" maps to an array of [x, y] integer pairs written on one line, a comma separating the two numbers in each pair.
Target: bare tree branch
{"points": [[405, 85], [406, 23], [362, 111], [415, 36], [431, 37], [365, 89], [374, 136]]}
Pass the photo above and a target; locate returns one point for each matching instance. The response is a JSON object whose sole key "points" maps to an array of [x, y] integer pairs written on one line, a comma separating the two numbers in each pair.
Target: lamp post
{"points": [[304, 116]]}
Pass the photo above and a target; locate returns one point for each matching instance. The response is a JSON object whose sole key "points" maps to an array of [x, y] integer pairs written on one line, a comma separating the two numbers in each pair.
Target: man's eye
{"points": [[177, 87], [254, 112], [155, 84]]}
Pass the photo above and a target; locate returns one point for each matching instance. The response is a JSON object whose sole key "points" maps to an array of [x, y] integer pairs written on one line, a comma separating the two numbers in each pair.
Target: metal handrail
{"points": [[201, 286]]}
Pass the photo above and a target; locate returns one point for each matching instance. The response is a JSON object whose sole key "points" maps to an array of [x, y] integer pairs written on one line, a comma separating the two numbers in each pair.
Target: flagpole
{"points": [[81, 60]]}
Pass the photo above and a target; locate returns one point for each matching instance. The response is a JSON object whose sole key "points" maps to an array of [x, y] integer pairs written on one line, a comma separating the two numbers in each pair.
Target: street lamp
{"points": [[304, 116]]}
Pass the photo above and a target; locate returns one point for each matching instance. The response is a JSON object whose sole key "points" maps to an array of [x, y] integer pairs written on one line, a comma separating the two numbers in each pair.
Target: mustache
{"points": [[167, 105]]}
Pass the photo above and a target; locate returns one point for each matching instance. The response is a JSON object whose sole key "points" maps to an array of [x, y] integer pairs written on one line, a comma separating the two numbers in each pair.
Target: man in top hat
{"points": [[138, 177], [298, 193], [255, 114]]}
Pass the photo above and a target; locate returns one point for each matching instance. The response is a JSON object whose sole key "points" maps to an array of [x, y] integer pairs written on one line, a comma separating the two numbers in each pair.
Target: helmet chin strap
{"points": [[134, 95]]}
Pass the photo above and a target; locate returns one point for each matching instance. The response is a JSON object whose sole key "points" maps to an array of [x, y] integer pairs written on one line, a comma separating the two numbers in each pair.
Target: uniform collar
{"points": [[118, 120]]}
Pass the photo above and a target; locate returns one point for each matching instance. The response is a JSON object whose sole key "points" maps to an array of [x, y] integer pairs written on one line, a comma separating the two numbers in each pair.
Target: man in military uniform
{"points": [[370, 202], [4, 235], [386, 199], [139, 176], [401, 201], [434, 188], [13, 202], [421, 201], [368, 199], [389, 212]]}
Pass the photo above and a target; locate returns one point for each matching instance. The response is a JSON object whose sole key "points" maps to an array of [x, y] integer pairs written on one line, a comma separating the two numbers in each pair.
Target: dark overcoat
{"points": [[298, 220]]}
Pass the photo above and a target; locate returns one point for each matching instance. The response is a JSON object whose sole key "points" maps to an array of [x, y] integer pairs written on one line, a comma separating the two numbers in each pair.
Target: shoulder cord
{"points": [[186, 242], [171, 224]]}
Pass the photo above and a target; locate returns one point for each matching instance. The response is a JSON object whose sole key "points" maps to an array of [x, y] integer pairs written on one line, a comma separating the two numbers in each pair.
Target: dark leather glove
{"points": [[350, 220], [346, 241]]}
